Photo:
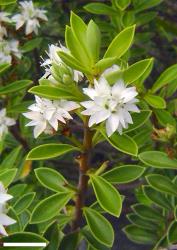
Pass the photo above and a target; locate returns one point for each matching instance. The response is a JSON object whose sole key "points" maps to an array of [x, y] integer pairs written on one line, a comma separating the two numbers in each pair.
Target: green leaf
{"points": [[10, 160], [93, 40], [55, 93], [4, 66], [24, 219], [162, 184], [139, 119], [32, 44], [48, 151], [123, 174], [107, 196], [105, 63], [136, 70], [155, 101], [23, 202], [142, 223], [158, 198], [164, 117], [7, 2], [100, 8], [7, 176], [91, 240], [157, 159], [99, 226], [76, 49], [172, 233], [73, 62], [122, 143], [14, 87], [167, 76], [50, 179], [144, 4], [121, 43], [123, 4], [128, 18], [50, 207], [140, 235], [70, 241], [148, 213], [25, 237]]}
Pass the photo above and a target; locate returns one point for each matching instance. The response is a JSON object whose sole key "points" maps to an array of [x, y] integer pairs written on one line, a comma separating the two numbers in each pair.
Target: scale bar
{"points": [[24, 244]]}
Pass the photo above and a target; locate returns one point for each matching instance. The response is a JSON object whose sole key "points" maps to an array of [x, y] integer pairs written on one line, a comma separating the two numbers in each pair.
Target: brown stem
{"points": [[84, 162]]}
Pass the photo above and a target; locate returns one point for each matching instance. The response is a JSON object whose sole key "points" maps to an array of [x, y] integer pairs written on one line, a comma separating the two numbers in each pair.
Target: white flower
{"points": [[7, 49], [4, 17], [5, 122], [45, 114], [55, 59], [30, 16], [112, 69], [3, 32], [110, 104], [4, 219]]}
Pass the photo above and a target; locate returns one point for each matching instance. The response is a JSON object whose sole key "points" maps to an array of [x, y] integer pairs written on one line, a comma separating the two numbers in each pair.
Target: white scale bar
{"points": [[24, 244]]}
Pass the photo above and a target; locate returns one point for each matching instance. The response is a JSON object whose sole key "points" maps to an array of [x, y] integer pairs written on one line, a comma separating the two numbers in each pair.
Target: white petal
{"points": [[6, 220], [54, 123], [5, 197], [131, 107], [39, 129], [99, 117], [69, 105], [112, 124], [90, 92], [3, 231]]}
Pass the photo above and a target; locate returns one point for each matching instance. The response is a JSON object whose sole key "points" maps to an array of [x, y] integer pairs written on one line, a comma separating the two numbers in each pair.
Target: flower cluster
{"points": [[5, 220], [29, 16], [5, 122], [56, 70], [111, 104], [45, 114]]}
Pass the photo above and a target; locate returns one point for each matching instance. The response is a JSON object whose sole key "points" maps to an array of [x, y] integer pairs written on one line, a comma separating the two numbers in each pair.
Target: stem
{"points": [[84, 162]]}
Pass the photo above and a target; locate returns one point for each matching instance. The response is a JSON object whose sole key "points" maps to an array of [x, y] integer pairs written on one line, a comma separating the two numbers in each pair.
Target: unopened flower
{"points": [[45, 114], [5, 220], [112, 104], [5, 122], [30, 16], [55, 60]]}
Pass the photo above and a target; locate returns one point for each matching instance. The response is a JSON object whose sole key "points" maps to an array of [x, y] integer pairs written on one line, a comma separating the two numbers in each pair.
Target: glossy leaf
{"points": [[50, 179], [31, 44], [120, 43], [140, 235], [123, 174], [14, 87], [122, 143], [69, 241], [7, 2], [7, 176], [164, 117], [136, 70], [157, 159], [93, 40], [55, 93], [50, 207], [172, 233], [155, 101], [3, 67], [107, 196], [24, 202], [99, 226], [123, 4], [147, 213], [162, 183], [10, 160], [48, 151], [142, 223], [167, 76], [100, 8], [158, 198]]}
